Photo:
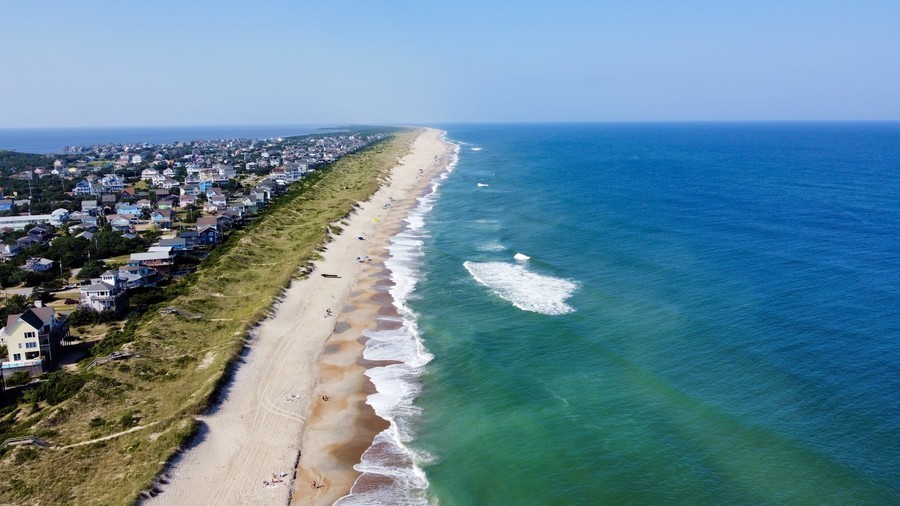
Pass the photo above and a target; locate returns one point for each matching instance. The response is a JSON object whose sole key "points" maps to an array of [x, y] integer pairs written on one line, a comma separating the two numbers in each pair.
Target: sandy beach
{"points": [[297, 401]]}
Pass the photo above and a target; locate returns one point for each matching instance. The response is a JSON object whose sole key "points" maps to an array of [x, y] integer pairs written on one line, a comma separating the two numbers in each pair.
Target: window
{"points": [[31, 344], [30, 334], [17, 356]]}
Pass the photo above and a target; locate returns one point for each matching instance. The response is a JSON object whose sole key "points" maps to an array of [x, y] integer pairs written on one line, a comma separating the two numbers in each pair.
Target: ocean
{"points": [[54, 140], [647, 314]]}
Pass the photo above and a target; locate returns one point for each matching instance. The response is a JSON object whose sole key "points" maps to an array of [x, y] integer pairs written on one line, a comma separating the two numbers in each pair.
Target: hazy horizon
{"points": [[167, 64]]}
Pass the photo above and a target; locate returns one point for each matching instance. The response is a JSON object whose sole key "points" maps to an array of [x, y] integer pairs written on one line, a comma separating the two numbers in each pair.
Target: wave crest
{"points": [[526, 290]]}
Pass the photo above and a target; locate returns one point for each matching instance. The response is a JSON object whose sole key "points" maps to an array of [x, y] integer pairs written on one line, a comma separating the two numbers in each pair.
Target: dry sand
{"points": [[298, 356]]}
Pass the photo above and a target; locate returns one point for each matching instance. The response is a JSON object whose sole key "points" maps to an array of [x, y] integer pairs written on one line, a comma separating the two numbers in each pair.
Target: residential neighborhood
{"points": [[117, 222]]}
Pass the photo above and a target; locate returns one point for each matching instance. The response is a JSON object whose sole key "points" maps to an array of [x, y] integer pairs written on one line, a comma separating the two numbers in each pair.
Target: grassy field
{"points": [[182, 362]]}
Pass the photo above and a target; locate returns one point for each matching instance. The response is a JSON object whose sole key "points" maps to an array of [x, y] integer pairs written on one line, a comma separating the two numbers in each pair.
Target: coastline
{"points": [[253, 435], [341, 428]]}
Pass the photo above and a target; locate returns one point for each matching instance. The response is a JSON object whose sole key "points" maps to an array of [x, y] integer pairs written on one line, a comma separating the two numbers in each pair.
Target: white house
{"points": [[106, 293]]}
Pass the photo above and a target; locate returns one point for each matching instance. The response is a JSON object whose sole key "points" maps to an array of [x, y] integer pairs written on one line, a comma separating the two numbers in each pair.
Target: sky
{"points": [[165, 63]]}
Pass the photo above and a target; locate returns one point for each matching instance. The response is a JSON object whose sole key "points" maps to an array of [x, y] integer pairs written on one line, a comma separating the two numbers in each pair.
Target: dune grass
{"points": [[182, 361]]}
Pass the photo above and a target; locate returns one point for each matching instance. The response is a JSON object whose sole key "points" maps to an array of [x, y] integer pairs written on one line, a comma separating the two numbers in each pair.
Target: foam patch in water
{"points": [[526, 290]]}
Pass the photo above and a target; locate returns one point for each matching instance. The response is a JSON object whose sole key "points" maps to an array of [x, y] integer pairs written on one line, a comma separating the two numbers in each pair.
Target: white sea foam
{"points": [[522, 257], [390, 471], [526, 290], [490, 247]]}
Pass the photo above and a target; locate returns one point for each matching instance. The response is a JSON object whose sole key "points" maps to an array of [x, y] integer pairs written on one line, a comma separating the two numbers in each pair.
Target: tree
{"points": [[16, 304], [92, 269], [69, 251]]}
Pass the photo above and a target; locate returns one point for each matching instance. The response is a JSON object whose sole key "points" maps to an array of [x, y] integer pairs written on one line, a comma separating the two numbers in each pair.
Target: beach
{"points": [[274, 414]]}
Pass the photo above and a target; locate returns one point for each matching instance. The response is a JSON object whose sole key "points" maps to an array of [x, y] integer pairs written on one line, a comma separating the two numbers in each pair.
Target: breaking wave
{"points": [[526, 290], [390, 469]]}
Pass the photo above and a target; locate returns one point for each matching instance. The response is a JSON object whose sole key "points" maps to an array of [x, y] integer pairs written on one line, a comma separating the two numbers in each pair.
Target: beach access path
{"points": [[249, 443]]}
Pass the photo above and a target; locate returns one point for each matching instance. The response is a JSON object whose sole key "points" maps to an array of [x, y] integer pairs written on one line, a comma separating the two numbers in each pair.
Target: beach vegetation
{"points": [[163, 382]]}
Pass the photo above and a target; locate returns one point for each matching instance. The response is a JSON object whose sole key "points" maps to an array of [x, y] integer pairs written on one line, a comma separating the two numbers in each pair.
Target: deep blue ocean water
{"points": [[53, 140], [710, 314]]}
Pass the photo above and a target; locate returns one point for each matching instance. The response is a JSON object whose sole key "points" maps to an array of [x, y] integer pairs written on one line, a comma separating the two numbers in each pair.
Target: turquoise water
{"points": [[710, 314]]}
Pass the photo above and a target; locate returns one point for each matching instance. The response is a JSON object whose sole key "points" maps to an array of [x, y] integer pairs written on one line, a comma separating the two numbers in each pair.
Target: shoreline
{"points": [[342, 428], [248, 444]]}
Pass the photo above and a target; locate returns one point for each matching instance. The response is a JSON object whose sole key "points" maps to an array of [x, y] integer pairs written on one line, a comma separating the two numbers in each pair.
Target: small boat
{"points": [[482, 185]]}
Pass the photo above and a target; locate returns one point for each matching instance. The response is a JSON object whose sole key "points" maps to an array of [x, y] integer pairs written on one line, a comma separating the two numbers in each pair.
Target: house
{"points": [[90, 207], [59, 216], [32, 340], [192, 189], [208, 221], [39, 234], [85, 219], [278, 176], [7, 251], [162, 218], [177, 244], [26, 242], [155, 259], [132, 280], [166, 203], [165, 182], [234, 215], [127, 208], [85, 187], [106, 293], [108, 199], [149, 174], [37, 265], [121, 222], [218, 200], [262, 196], [191, 238], [112, 183], [208, 236], [137, 275], [186, 200]]}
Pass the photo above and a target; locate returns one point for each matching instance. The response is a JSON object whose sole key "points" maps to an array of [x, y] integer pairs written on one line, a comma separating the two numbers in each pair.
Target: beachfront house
{"points": [[177, 244], [32, 340], [155, 258], [106, 293]]}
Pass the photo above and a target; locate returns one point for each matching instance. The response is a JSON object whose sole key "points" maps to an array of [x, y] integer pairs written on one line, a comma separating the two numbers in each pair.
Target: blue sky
{"points": [[130, 63]]}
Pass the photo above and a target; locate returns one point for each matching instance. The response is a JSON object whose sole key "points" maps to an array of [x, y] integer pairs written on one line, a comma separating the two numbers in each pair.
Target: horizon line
{"points": [[428, 123]]}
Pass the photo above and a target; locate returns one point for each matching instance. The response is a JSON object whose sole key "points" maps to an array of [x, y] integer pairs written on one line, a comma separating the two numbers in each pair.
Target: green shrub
{"points": [[58, 387], [129, 420], [25, 454], [19, 378]]}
